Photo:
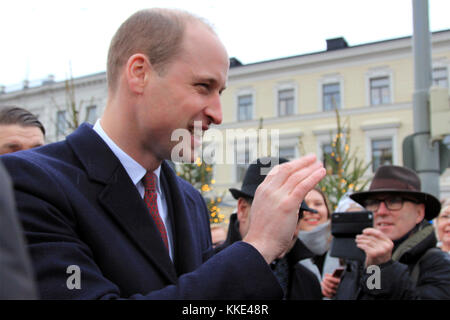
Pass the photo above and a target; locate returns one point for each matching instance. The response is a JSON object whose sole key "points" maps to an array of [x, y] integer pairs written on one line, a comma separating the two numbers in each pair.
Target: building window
{"points": [[287, 152], [61, 123], [446, 141], [381, 153], [380, 91], [440, 78], [242, 163], [91, 114], [285, 102], [245, 105], [331, 95]]}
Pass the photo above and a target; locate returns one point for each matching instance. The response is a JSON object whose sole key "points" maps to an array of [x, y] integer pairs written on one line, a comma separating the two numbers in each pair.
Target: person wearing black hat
{"points": [[297, 282], [401, 243]]}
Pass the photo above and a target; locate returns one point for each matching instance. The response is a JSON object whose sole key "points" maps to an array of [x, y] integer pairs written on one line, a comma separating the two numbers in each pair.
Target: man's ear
{"points": [[243, 209], [421, 212], [137, 72]]}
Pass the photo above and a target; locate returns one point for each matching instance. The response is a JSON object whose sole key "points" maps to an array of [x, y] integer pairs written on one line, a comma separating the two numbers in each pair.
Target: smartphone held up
{"points": [[344, 228]]}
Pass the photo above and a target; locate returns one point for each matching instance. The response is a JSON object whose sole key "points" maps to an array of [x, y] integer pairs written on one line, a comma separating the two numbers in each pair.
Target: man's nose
{"points": [[382, 209], [214, 109]]}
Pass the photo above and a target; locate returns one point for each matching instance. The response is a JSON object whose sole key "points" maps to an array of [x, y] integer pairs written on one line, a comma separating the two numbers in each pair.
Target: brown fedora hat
{"points": [[399, 180]]}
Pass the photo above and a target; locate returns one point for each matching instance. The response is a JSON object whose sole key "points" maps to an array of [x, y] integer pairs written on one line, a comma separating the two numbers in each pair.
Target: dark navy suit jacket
{"points": [[79, 207], [16, 276]]}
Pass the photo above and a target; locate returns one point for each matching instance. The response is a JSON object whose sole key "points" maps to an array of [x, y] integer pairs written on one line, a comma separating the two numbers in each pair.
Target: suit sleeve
{"points": [[51, 231], [239, 271], [16, 277], [55, 243]]}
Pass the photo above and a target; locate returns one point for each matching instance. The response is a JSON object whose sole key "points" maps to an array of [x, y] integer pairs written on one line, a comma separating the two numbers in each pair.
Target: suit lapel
{"points": [[183, 235], [121, 199]]}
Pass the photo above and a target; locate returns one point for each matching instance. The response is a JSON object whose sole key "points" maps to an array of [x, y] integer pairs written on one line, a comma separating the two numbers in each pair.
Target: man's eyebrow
{"points": [[207, 79]]}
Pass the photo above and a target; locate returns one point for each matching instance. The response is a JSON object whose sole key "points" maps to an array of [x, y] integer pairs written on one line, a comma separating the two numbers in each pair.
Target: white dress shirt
{"points": [[136, 172]]}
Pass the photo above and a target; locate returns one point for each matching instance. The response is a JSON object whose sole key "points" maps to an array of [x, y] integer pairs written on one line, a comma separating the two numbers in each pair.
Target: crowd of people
{"points": [[105, 202]]}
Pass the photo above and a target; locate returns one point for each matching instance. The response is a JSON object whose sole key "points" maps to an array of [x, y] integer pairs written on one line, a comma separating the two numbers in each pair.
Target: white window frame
{"points": [[389, 131], [379, 73], [438, 65], [290, 140], [239, 165], [239, 148], [388, 140], [330, 79], [90, 107], [288, 85], [295, 154], [245, 92], [58, 133]]}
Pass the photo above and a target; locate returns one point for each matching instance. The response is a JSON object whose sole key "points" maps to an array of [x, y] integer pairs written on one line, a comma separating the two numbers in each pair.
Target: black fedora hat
{"points": [[400, 181], [255, 175]]}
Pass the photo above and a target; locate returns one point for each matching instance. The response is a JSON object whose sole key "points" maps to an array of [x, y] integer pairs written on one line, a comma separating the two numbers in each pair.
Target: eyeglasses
{"points": [[394, 203]]}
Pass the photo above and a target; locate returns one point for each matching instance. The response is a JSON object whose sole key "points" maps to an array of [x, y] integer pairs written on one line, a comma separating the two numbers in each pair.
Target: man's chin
{"points": [[281, 256], [185, 157]]}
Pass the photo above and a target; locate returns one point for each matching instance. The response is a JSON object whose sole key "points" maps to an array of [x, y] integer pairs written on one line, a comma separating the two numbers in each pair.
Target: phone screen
{"points": [[338, 272]]}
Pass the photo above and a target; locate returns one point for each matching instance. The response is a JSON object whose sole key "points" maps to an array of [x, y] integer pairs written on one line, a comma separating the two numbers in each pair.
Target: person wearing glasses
{"points": [[401, 259]]}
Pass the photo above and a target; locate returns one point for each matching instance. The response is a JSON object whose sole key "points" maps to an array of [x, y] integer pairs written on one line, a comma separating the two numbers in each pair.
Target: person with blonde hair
{"points": [[442, 225]]}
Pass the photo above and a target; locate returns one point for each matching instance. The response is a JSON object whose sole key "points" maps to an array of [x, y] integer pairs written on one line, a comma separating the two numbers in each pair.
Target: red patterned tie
{"points": [[150, 196]]}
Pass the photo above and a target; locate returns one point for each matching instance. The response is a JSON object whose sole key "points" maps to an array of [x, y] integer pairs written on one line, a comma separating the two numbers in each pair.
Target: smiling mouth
{"points": [[312, 220], [384, 224]]}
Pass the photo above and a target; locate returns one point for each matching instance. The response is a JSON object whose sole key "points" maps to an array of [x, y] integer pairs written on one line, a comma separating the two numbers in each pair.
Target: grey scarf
{"points": [[317, 240]]}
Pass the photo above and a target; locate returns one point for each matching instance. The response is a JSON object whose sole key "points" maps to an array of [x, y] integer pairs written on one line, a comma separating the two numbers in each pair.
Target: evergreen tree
{"points": [[345, 172], [200, 176]]}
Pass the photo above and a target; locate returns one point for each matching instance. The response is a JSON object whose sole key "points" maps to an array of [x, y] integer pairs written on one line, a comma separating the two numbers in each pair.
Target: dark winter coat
{"points": [[303, 284], [396, 282]]}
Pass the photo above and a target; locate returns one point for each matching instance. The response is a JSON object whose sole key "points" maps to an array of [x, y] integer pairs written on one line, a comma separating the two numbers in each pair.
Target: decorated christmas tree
{"points": [[200, 175], [345, 172]]}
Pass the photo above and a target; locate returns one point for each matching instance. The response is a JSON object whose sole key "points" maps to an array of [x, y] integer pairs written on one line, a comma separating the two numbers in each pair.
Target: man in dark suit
{"points": [[16, 275], [104, 214]]}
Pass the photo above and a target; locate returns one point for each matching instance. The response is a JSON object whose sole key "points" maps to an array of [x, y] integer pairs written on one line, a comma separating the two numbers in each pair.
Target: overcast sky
{"points": [[39, 38]]}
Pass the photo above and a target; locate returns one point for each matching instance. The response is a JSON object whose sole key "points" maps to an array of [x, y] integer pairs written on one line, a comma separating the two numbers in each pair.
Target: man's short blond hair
{"points": [[157, 33]]}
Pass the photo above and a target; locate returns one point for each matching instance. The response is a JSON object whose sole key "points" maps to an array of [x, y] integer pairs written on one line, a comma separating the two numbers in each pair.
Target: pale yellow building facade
{"points": [[372, 86]]}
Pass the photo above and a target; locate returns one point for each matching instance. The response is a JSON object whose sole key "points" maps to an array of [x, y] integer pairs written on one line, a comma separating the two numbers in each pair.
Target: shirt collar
{"points": [[134, 170]]}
